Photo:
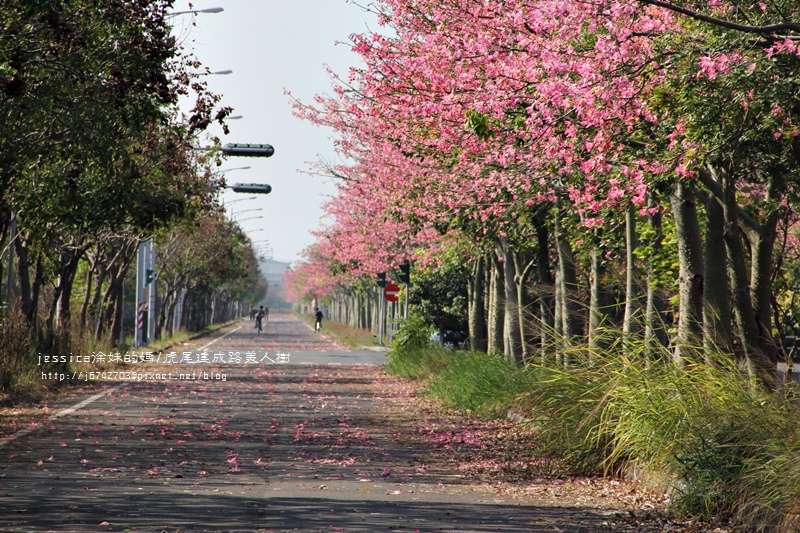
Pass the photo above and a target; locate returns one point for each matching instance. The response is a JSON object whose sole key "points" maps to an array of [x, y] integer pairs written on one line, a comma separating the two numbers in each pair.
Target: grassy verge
{"points": [[344, 334], [732, 450]]}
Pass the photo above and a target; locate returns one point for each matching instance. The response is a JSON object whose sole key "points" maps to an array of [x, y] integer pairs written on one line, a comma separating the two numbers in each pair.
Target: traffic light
{"points": [[251, 188], [149, 274], [248, 150], [405, 273], [381, 279]]}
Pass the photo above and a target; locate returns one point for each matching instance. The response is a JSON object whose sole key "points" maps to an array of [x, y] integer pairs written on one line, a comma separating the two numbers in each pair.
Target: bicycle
{"points": [[317, 326], [259, 325]]}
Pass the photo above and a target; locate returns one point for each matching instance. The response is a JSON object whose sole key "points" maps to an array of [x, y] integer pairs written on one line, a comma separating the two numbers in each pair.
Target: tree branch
{"points": [[772, 28], [715, 189]]}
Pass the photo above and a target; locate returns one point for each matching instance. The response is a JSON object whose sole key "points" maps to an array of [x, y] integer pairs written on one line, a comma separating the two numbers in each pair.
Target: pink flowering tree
{"points": [[524, 127]]}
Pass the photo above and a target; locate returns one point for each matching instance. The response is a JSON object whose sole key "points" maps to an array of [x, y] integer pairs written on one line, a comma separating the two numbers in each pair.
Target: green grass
{"points": [[486, 384], [418, 363]]}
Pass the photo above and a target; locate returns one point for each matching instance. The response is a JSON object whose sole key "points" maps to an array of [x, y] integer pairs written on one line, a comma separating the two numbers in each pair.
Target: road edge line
{"points": [[64, 412], [219, 338]]}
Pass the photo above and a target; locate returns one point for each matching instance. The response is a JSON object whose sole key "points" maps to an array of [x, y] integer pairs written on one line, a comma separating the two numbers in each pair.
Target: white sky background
{"points": [[270, 46]]}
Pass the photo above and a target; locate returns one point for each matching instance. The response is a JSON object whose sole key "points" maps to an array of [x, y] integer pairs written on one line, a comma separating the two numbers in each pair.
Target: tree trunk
{"points": [[690, 276], [717, 318], [655, 320], [169, 322], [116, 307], [110, 306], [477, 317], [757, 361], [22, 245], [763, 247], [740, 285], [87, 297], [558, 311], [496, 304], [38, 281], [571, 312], [512, 341], [545, 288], [631, 324], [598, 314], [61, 311], [527, 319], [96, 310]]}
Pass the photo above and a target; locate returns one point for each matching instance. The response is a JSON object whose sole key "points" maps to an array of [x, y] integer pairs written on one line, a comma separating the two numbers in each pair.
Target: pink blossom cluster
{"points": [[466, 115]]}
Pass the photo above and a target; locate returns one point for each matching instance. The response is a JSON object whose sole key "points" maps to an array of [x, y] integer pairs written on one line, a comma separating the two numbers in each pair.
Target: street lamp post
{"points": [[240, 200], [253, 188], [247, 210], [249, 218], [195, 11], [147, 251], [224, 170], [248, 150], [235, 213]]}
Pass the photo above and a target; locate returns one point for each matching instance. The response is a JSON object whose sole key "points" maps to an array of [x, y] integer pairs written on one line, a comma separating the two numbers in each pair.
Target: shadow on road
{"points": [[273, 448]]}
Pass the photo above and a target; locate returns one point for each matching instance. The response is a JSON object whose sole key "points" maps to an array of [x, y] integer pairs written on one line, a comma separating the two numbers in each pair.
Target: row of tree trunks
{"points": [[724, 293], [705, 296]]}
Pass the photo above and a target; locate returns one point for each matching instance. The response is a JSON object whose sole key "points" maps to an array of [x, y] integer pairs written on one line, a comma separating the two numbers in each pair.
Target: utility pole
{"points": [[150, 280], [141, 259], [405, 277], [381, 284]]}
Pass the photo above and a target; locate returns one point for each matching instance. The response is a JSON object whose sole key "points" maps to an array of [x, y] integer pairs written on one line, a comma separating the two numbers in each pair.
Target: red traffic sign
{"points": [[391, 292]]}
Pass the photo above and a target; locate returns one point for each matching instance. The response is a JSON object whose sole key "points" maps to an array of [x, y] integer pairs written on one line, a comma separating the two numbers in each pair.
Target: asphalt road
{"points": [[312, 440]]}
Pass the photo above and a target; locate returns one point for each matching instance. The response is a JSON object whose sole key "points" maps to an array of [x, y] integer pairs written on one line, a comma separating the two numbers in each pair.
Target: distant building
{"points": [[273, 271]]}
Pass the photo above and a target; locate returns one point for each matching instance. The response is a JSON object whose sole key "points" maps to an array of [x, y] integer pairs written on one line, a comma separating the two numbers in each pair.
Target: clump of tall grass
{"points": [[418, 363], [21, 344], [485, 384], [730, 448], [722, 438], [412, 355], [17, 361]]}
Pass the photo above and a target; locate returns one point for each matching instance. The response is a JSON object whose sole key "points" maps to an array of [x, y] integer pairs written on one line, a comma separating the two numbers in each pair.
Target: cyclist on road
{"points": [[318, 324], [259, 316]]}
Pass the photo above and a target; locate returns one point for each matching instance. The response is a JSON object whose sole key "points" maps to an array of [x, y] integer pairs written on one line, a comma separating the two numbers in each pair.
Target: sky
{"points": [[272, 46]]}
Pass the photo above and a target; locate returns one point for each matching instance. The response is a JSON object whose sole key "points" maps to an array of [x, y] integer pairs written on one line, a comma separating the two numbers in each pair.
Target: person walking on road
{"points": [[259, 318], [318, 324]]}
